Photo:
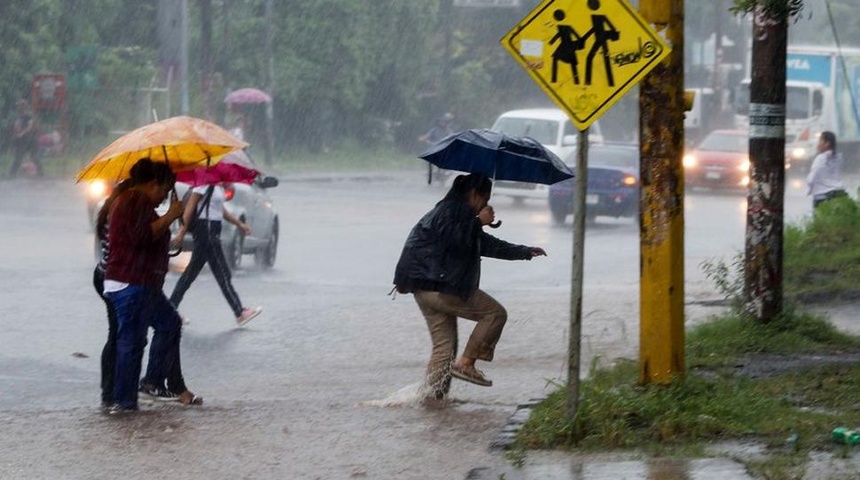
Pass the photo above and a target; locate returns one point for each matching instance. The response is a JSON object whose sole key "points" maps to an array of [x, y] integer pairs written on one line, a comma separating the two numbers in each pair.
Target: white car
{"points": [[250, 203], [553, 129]]}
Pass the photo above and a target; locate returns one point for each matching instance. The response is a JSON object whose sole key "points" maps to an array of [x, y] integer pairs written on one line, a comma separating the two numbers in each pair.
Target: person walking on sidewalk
{"points": [[205, 214], [825, 175], [441, 266]]}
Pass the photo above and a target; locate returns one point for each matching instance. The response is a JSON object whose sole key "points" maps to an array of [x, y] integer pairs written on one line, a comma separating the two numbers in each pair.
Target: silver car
{"points": [[252, 205]]}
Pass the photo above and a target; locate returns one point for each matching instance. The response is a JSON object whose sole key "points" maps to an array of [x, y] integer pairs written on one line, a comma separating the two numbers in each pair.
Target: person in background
{"points": [[24, 140], [205, 214], [441, 128], [134, 273], [825, 175], [441, 266]]}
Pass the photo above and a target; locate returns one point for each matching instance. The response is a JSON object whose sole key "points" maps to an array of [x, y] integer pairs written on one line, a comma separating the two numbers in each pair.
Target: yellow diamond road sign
{"points": [[585, 54]]}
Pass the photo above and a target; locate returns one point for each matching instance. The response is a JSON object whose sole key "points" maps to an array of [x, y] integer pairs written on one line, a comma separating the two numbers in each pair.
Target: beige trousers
{"points": [[441, 311]]}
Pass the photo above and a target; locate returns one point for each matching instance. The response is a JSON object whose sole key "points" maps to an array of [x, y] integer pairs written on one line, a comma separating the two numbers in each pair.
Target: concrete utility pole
{"points": [[661, 202], [206, 58], [766, 196], [184, 103], [270, 77]]}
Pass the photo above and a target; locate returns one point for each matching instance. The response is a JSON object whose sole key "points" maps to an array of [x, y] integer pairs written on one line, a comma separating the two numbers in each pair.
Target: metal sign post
{"points": [[574, 348]]}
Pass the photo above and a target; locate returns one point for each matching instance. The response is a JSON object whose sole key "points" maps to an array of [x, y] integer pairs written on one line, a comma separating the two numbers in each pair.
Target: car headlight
{"points": [[744, 166], [798, 153], [689, 161], [97, 189], [629, 180]]}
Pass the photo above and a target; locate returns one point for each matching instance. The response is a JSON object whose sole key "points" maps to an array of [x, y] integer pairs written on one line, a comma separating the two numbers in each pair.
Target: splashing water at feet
{"points": [[413, 395]]}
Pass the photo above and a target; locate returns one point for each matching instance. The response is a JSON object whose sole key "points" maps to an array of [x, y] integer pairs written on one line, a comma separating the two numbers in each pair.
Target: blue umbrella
{"points": [[498, 156]]}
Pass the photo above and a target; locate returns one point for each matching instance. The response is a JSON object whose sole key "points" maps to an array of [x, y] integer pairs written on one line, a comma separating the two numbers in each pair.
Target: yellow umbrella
{"points": [[182, 142]]}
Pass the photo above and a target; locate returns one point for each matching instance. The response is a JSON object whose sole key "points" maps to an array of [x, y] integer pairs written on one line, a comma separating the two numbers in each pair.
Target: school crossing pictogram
{"points": [[585, 54]]}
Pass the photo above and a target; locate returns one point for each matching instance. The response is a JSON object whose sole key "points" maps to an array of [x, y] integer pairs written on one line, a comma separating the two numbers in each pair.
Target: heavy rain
{"points": [[336, 99]]}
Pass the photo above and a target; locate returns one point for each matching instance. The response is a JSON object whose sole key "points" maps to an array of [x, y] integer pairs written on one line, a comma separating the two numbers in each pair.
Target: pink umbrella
{"points": [[236, 166], [247, 95]]}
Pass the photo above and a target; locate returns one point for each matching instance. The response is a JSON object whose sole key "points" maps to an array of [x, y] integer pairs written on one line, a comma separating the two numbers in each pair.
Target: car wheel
{"points": [[234, 252], [265, 257], [559, 213]]}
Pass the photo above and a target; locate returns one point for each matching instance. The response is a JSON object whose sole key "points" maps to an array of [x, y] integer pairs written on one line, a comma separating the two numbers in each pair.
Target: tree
{"points": [[765, 199]]}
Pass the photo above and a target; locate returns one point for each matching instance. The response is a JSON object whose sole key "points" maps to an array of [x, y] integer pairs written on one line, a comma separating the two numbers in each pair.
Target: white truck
{"points": [[821, 93], [554, 130]]}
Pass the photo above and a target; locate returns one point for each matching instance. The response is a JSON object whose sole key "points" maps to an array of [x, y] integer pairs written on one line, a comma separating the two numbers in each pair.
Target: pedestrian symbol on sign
{"points": [[604, 32], [569, 43]]}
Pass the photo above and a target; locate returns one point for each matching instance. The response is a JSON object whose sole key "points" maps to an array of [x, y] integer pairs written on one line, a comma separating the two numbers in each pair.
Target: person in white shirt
{"points": [[207, 203], [825, 175]]}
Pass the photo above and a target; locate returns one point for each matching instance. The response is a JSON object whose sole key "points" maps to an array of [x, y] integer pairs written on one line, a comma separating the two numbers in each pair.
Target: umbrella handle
{"points": [[181, 220], [496, 224]]}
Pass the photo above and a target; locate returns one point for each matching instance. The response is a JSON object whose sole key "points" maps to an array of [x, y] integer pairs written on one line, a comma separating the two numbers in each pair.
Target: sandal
{"points": [[471, 375], [188, 398]]}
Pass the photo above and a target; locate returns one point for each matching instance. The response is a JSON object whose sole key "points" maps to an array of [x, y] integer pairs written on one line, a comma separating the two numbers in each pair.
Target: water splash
{"points": [[409, 396]]}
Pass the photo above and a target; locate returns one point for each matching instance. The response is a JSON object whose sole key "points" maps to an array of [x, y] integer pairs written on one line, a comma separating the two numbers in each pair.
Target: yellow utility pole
{"points": [[661, 202]]}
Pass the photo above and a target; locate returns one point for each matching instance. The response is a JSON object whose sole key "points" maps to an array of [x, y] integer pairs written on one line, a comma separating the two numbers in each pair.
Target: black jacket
{"points": [[444, 249]]}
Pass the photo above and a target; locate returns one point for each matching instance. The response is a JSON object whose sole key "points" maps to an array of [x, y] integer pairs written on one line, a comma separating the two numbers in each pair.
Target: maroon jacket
{"points": [[136, 255]]}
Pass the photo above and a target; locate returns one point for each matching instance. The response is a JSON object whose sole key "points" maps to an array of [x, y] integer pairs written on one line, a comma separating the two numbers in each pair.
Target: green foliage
{"points": [[368, 70], [793, 332], [728, 278], [822, 253], [778, 9], [711, 405], [821, 258]]}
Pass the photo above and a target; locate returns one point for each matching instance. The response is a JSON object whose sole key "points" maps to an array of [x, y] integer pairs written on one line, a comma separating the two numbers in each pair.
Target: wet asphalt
{"points": [[322, 384]]}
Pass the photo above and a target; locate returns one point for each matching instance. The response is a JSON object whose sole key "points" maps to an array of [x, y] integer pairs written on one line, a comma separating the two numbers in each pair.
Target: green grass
{"points": [[712, 404], [718, 342], [822, 253]]}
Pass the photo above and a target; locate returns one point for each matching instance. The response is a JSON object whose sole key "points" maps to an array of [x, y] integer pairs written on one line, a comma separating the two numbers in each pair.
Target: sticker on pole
{"points": [[585, 54]]}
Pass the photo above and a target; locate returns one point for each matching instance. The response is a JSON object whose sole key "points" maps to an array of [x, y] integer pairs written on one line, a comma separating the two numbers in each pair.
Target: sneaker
{"points": [[471, 375], [188, 398], [247, 315], [148, 392], [117, 409]]}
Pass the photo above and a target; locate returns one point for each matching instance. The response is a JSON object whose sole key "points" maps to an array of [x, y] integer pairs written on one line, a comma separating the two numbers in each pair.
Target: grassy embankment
{"points": [[716, 400]]}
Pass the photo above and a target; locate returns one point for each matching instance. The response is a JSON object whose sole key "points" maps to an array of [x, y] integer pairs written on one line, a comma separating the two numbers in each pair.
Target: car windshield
{"points": [[627, 158], [544, 131], [796, 103], [725, 142]]}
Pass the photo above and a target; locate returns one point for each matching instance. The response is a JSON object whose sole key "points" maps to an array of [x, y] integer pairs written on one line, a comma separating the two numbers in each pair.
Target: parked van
{"points": [[553, 129]]}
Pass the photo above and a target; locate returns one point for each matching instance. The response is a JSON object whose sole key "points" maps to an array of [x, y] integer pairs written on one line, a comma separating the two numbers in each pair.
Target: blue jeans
{"points": [[138, 308]]}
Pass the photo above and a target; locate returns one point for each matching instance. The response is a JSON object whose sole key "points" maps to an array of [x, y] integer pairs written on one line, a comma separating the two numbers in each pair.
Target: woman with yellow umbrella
{"points": [[138, 238], [133, 279]]}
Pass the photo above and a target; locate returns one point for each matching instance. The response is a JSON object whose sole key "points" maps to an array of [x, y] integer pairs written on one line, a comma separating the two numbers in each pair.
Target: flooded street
{"points": [[320, 385]]}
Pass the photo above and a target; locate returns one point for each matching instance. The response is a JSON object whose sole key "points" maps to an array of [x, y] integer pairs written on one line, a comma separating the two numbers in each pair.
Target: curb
{"points": [[506, 437]]}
